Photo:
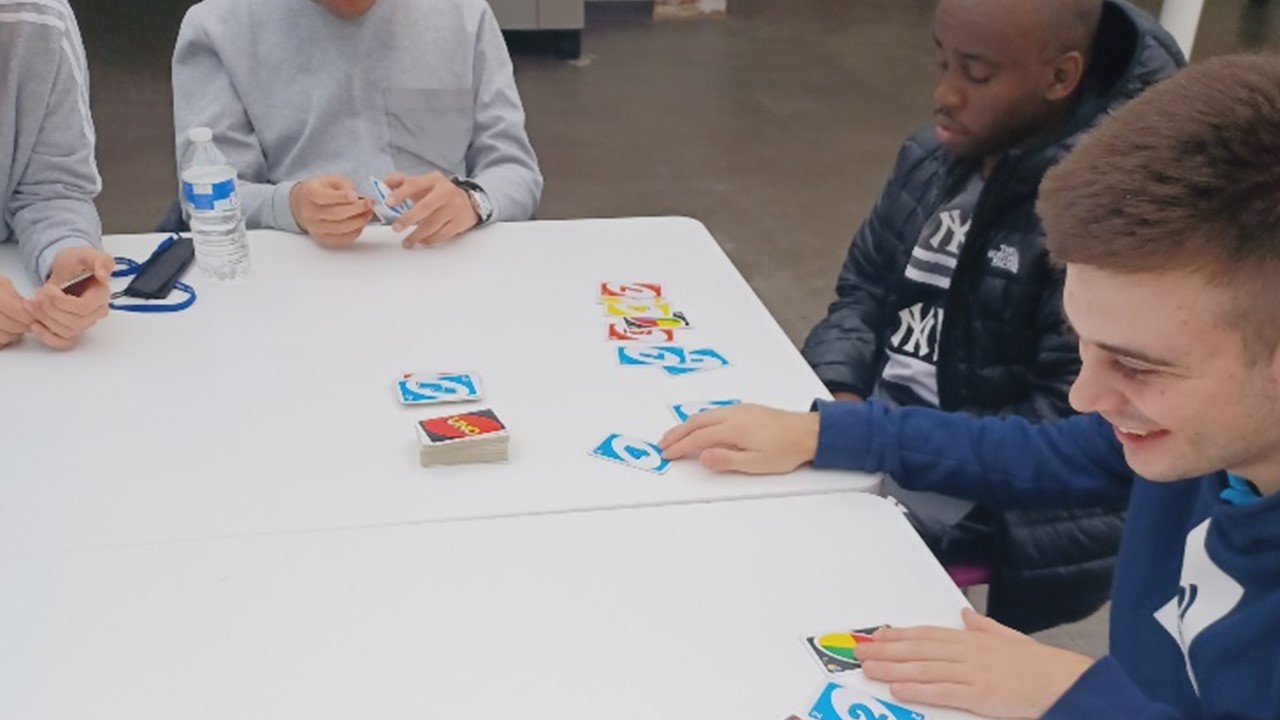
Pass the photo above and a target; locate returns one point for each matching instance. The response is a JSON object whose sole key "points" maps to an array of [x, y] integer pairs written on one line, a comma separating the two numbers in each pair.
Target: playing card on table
{"points": [[635, 290], [841, 702], [630, 307], [431, 388], [684, 411], [696, 360], [619, 332], [645, 355], [675, 321], [632, 452], [837, 652]]}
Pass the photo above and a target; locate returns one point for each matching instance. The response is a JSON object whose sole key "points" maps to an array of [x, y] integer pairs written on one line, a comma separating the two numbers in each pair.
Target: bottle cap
{"points": [[199, 134]]}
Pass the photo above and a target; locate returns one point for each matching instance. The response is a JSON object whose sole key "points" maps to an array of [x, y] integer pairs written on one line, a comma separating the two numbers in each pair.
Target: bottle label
{"points": [[211, 196]]}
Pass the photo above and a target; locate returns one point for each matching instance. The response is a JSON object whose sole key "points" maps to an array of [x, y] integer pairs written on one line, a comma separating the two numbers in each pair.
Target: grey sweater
{"points": [[48, 178], [292, 91]]}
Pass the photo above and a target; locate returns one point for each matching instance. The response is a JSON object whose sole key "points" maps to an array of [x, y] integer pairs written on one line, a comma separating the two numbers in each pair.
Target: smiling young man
{"points": [[1168, 223], [309, 99], [947, 298]]}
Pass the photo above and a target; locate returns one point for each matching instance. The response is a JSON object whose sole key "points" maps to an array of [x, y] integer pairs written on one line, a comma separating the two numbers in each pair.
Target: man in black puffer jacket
{"points": [[947, 297]]}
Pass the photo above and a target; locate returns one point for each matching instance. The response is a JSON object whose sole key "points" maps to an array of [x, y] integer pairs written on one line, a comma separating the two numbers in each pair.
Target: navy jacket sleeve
{"points": [[1104, 692], [844, 347], [1000, 462]]}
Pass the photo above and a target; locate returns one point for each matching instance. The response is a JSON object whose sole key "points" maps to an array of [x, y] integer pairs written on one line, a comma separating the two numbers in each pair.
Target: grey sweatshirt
{"points": [[292, 91], [48, 178]]}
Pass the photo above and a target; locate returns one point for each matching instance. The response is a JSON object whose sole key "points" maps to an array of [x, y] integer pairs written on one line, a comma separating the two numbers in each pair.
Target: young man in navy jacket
{"points": [[1167, 222]]}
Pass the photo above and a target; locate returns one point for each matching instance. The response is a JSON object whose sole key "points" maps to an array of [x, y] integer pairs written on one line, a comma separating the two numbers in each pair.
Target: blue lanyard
{"points": [[128, 267]]}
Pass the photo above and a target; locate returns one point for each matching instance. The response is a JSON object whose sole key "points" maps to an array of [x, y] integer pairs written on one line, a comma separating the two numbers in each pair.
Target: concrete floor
{"points": [[775, 126]]}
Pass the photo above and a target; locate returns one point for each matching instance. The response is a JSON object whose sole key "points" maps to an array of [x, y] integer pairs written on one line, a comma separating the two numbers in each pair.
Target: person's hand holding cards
{"points": [[74, 298], [15, 318], [329, 209], [441, 210]]}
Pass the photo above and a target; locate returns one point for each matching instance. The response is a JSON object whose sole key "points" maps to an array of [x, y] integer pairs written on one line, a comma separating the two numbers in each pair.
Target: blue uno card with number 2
{"points": [[684, 411], [632, 452], [840, 702]]}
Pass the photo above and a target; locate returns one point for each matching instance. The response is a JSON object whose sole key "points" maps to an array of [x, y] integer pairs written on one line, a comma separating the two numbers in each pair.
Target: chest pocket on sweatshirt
{"points": [[430, 129]]}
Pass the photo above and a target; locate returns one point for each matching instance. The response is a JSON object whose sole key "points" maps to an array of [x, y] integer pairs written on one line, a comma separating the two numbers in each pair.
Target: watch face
{"points": [[480, 202]]}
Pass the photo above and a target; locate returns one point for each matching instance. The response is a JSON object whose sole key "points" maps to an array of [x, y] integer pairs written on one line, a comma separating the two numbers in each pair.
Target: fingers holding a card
{"points": [[74, 298], [329, 209], [749, 439], [441, 209], [15, 318], [986, 668]]}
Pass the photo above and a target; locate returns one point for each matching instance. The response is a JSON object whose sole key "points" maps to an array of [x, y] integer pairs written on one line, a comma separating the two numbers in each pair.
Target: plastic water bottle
{"points": [[213, 209]]}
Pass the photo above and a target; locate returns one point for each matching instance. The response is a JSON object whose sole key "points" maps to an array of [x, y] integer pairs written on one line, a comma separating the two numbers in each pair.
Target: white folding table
{"points": [[268, 407]]}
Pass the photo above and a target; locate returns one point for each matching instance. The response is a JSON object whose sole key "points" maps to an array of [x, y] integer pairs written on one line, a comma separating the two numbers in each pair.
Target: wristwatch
{"points": [[479, 199]]}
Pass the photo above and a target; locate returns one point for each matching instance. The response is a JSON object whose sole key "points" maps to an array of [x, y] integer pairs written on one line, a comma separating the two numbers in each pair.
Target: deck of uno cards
{"points": [[467, 437]]}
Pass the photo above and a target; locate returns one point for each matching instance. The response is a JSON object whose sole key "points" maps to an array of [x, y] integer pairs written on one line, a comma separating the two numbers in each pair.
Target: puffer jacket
{"points": [[1005, 348]]}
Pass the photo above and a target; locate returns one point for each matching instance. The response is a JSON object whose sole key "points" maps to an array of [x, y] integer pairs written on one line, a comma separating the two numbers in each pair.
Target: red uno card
{"points": [[620, 332], [462, 426], [635, 291]]}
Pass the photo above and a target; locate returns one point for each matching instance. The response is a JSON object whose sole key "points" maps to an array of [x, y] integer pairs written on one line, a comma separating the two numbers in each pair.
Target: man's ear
{"points": [[1068, 71]]}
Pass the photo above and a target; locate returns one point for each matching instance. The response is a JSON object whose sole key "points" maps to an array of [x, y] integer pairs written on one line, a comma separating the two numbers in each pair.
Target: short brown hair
{"points": [[1185, 177]]}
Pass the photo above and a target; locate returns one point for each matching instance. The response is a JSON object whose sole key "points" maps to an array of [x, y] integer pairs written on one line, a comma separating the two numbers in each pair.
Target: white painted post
{"points": [[1181, 18]]}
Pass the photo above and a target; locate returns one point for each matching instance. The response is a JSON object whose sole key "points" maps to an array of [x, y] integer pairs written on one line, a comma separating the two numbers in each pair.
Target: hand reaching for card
{"points": [[986, 668], [441, 210], [57, 317], [329, 209], [746, 438]]}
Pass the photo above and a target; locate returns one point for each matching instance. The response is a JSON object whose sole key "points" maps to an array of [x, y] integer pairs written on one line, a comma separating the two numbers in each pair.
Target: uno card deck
{"points": [[842, 702], [76, 286], [837, 652], [632, 452], [468, 437], [619, 332], [684, 411], [432, 388]]}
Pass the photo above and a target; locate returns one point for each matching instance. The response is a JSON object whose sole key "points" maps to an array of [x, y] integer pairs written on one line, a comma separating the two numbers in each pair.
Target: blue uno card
{"points": [[684, 411], [645, 355], [387, 213], [428, 389], [839, 702], [696, 360], [632, 452]]}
